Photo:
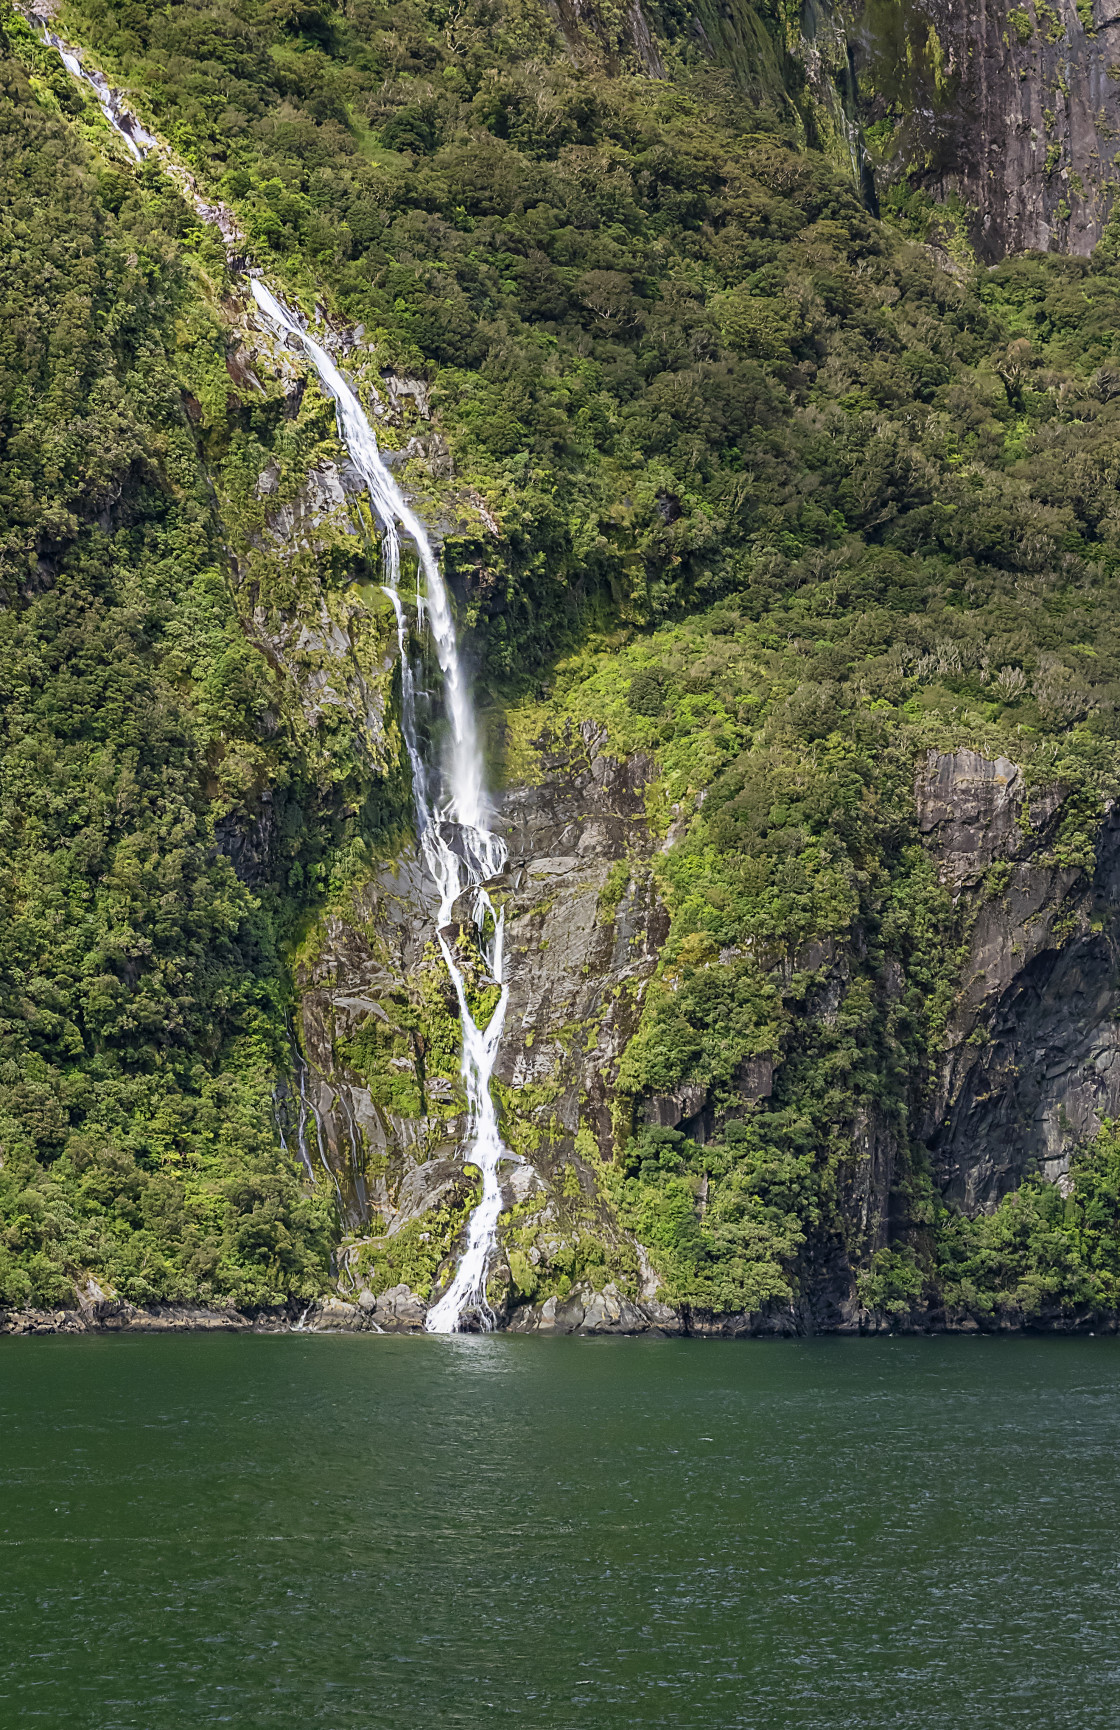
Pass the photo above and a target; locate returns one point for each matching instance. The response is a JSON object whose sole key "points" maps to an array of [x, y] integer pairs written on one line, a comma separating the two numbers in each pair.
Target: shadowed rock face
{"points": [[578, 968], [1033, 1057], [1047, 1076], [1014, 109], [1010, 113]]}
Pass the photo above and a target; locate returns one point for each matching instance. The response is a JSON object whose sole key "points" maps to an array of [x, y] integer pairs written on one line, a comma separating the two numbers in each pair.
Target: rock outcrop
{"points": [[1008, 117], [1032, 1061], [1013, 112], [593, 1312], [379, 1101], [1030, 1058]]}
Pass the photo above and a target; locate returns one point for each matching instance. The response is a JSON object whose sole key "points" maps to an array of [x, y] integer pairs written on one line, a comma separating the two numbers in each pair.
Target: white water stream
{"points": [[460, 848], [453, 823]]}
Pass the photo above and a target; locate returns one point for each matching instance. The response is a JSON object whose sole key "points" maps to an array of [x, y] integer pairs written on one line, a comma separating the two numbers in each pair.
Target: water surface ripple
{"points": [[413, 1534]]}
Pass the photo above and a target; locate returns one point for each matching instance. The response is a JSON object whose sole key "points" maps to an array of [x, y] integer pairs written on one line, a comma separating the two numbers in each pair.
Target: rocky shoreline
{"points": [[400, 1311]]}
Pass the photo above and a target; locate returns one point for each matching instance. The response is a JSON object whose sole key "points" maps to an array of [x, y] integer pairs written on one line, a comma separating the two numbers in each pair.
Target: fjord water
{"points": [[478, 1530]]}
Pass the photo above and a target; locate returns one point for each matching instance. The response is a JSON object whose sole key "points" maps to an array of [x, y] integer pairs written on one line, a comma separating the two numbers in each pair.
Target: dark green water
{"points": [[415, 1534]]}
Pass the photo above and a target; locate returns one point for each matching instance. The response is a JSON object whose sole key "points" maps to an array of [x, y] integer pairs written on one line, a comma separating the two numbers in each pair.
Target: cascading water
{"points": [[137, 140], [460, 849], [134, 135]]}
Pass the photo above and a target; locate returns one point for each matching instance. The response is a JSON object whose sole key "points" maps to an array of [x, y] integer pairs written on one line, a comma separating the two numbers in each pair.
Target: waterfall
{"points": [[138, 142], [134, 135], [453, 822]]}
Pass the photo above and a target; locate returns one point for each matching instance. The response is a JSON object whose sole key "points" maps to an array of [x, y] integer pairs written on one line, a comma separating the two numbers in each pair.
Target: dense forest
{"points": [[780, 495]]}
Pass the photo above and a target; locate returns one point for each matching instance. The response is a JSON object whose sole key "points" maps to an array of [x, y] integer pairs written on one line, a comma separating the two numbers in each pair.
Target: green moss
{"points": [[517, 752], [617, 881], [377, 1053], [482, 1002], [1049, 22], [906, 61], [414, 1255], [589, 1255]]}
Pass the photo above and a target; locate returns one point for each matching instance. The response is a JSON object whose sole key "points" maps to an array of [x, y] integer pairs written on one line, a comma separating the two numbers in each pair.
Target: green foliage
{"points": [[893, 1283], [736, 1254], [582, 1257], [1041, 1255], [141, 991], [661, 342], [810, 934], [614, 888], [382, 1052], [804, 504]]}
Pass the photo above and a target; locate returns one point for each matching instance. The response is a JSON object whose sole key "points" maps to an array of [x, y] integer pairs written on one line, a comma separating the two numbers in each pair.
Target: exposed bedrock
{"points": [[384, 1100], [1030, 1062], [581, 958], [1033, 1054], [1015, 110]]}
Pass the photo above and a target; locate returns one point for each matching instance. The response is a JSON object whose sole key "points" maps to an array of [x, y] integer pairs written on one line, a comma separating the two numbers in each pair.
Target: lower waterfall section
{"points": [[480, 1044], [460, 849]]}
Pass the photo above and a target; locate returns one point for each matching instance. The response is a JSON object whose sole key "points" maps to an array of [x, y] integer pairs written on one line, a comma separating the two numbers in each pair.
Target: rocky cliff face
{"points": [[380, 1101], [1029, 1064], [1008, 117], [1014, 112], [1032, 1059]]}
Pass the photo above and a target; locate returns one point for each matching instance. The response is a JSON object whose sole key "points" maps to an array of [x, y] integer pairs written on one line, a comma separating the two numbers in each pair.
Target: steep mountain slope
{"points": [[786, 559], [141, 985]]}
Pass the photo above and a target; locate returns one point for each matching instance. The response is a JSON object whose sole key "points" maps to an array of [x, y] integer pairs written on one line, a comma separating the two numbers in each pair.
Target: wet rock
{"points": [[94, 1300], [324, 497], [523, 1182], [577, 974], [425, 1187], [586, 1311], [780, 1324], [400, 390], [333, 1315], [338, 659], [110, 1315]]}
